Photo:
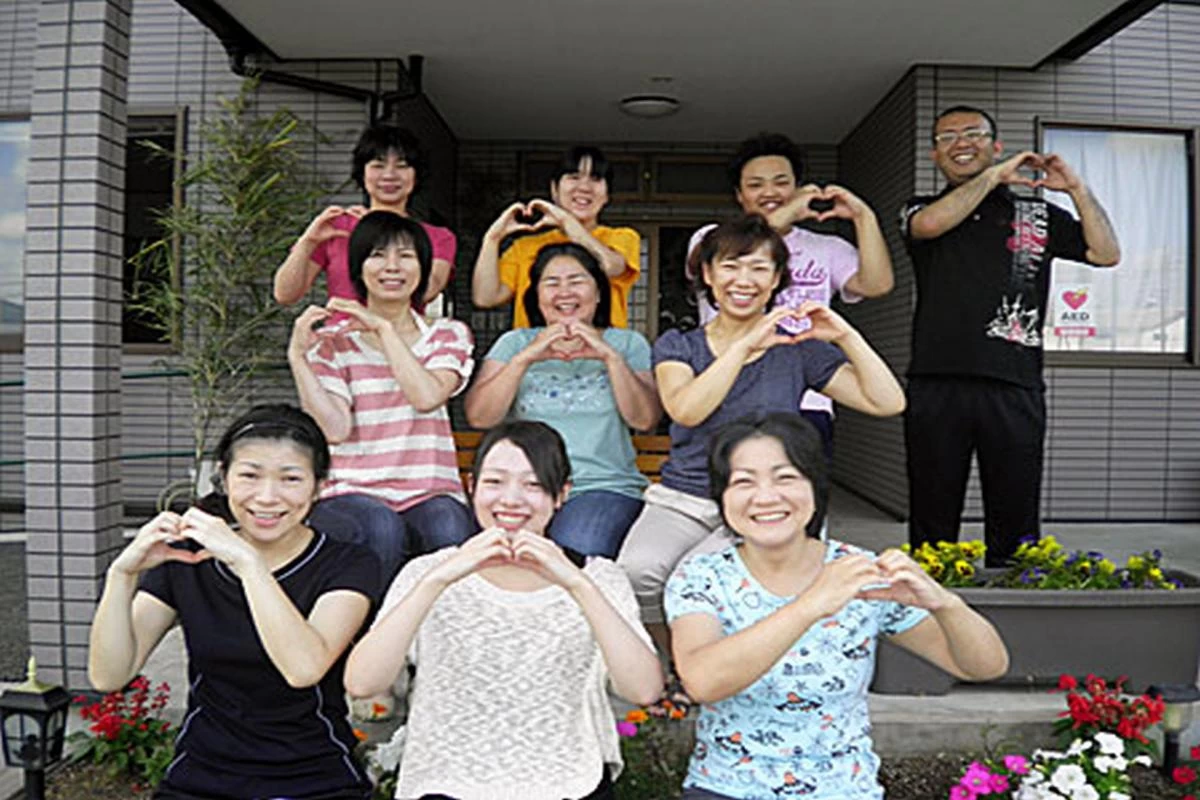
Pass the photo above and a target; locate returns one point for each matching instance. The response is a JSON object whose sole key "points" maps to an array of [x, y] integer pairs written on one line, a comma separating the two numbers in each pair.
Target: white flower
{"points": [[1107, 763], [385, 757], [1119, 796], [1085, 793], [1078, 747], [1068, 777], [1143, 760], [1048, 755], [1110, 744]]}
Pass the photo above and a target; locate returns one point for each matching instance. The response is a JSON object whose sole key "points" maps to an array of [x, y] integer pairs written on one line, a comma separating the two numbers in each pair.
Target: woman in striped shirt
{"points": [[377, 384]]}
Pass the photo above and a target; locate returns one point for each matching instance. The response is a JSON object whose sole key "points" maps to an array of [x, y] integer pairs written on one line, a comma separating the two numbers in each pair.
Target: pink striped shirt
{"points": [[394, 453]]}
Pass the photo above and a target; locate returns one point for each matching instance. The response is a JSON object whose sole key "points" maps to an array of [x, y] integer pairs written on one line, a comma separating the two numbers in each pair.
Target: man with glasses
{"points": [[981, 258]]}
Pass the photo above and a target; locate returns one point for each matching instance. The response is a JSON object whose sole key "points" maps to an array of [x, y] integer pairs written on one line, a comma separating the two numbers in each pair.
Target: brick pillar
{"points": [[73, 262]]}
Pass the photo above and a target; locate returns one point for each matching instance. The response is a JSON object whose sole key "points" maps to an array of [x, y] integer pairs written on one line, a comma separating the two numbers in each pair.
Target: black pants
{"points": [[603, 791], [947, 420]]}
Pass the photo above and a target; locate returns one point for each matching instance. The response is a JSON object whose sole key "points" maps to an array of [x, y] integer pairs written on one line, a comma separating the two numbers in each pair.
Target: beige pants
{"points": [[672, 526]]}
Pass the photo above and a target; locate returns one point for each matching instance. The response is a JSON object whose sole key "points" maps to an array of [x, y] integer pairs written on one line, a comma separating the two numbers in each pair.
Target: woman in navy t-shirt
{"points": [[268, 608], [749, 358]]}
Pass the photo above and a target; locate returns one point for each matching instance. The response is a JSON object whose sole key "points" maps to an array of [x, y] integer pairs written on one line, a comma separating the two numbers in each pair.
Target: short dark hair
{"points": [[964, 109], [377, 140], [764, 144], [800, 442], [737, 237], [382, 229], [541, 444], [603, 316], [276, 421], [571, 159]]}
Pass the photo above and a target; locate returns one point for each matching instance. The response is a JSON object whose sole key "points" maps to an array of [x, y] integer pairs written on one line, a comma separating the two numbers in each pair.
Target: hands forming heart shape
{"points": [[822, 203], [1055, 174]]}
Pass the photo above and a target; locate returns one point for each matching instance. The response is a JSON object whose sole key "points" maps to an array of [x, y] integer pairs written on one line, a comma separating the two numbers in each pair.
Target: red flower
{"points": [[1196, 753], [1067, 682], [1184, 775]]}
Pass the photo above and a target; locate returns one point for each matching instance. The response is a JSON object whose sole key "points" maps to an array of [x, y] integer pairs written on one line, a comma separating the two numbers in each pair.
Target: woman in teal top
{"points": [[589, 381]]}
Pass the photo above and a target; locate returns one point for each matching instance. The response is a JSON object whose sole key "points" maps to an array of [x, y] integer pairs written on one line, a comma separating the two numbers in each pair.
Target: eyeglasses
{"points": [[972, 135]]}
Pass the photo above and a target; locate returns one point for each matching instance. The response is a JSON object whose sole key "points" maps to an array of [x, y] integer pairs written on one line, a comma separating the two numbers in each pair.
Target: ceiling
{"points": [[555, 69]]}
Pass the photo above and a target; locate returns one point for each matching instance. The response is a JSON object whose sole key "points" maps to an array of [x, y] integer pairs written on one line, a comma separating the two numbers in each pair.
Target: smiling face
{"points": [[508, 493], [271, 487], [389, 180], [391, 272], [767, 183], [581, 193], [768, 501], [742, 285], [970, 151], [566, 292]]}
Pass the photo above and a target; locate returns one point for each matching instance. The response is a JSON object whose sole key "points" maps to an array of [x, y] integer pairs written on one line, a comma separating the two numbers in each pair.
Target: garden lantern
{"points": [[33, 717], [1178, 700]]}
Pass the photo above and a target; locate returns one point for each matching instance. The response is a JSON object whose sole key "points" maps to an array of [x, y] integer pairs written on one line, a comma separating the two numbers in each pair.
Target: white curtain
{"points": [[1141, 306]]}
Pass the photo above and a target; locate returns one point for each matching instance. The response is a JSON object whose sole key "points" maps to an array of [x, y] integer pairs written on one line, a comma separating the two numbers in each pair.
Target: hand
{"points": [[510, 222], [826, 324], [842, 580], [554, 216], [797, 208], [541, 347], [765, 334], [365, 319], [1008, 171], [490, 548], [304, 335], [152, 546], [909, 584], [846, 204], [358, 211], [322, 229], [219, 539], [538, 554], [1057, 175], [594, 345]]}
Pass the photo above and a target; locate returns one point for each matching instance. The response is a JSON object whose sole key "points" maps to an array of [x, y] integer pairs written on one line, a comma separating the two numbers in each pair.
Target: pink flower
{"points": [[998, 784], [626, 729], [1018, 765], [961, 792], [977, 778]]}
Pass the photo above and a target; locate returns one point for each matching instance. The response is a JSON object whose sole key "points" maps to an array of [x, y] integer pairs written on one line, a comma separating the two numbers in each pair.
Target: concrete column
{"points": [[73, 264]]}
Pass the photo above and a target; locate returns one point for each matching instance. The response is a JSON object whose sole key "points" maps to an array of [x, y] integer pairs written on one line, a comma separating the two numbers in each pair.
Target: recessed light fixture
{"points": [[649, 106]]}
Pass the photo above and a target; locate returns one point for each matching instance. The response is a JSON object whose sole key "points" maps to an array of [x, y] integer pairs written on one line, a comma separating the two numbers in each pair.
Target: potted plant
{"points": [[1063, 612], [206, 284]]}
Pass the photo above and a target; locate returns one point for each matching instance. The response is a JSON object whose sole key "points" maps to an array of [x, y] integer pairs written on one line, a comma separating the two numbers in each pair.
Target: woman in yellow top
{"points": [[578, 193]]}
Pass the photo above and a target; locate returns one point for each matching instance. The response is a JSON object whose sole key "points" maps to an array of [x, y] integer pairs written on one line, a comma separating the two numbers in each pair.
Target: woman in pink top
{"points": [[388, 167], [377, 384]]}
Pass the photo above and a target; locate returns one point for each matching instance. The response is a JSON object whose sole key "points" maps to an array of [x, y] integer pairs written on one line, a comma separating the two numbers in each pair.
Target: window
{"points": [[149, 189], [14, 155], [1143, 178]]}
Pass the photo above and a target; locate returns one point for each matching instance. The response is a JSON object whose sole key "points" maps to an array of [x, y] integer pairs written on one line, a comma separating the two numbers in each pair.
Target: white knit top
{"points": [[509, 701]]}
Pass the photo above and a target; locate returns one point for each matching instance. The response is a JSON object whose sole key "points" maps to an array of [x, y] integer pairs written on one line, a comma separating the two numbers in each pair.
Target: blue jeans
{"points": [[395, 537], [595, 523]]}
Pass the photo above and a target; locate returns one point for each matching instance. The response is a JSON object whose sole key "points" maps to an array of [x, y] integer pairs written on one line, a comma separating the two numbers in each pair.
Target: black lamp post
{"points": [[1177, 716], [34, 720]]}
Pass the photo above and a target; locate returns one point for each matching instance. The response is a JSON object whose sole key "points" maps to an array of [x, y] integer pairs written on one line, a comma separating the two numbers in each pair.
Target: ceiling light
{"points": [[649, 106]]}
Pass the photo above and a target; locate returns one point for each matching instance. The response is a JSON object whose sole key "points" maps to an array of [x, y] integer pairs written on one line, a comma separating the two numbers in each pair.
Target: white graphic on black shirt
{"points": [[1013, 322]]}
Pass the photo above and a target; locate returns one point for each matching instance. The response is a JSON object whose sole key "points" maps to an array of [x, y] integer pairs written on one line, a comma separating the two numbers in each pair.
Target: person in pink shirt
{"points": [[389, 167], [764, 173]]}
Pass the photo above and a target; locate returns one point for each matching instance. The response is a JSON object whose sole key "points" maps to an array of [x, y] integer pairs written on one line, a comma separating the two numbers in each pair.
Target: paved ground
{"points": [[902, 725]]}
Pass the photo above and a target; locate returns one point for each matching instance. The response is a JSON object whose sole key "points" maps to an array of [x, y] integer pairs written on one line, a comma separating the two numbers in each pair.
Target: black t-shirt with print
{"points": [[982, 287], [247, 733]]}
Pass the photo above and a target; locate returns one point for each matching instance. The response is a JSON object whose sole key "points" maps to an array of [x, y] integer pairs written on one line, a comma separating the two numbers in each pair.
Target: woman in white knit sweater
{"points": [[515, 642]]}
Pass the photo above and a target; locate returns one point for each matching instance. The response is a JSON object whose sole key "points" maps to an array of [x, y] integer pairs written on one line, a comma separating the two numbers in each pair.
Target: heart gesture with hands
{"points": [[765, 333], [538, 554], [826, 324], [488, 548], [842, 580], [541, 347], [594, 346], [1010, 170], [362, 316], [908, 584], [322, 229], [221, 542], [846, 204], [153, 546], [1057, 175], [554, 216]]}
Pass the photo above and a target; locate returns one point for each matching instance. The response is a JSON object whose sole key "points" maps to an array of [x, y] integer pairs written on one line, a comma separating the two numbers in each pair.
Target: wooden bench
{"points": [[651, 450]]}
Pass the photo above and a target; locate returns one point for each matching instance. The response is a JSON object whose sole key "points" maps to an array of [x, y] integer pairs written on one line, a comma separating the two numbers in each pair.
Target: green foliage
{"points": [[656, 746], [125, 737], [207, 283], [1044, 564]]}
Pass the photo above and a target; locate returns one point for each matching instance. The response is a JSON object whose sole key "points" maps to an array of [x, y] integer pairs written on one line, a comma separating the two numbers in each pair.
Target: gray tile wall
{"points": [[1123, 444]]}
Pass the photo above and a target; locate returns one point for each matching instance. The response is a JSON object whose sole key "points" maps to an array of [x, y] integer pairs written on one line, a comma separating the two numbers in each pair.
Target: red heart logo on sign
{"points": [[1075, 299]]}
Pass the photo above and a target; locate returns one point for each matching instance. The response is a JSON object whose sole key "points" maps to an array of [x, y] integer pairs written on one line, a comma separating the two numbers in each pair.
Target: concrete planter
{"points": [[1148, 635]]}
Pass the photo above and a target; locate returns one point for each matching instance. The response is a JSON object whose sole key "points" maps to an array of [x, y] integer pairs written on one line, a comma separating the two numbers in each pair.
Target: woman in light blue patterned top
{"points": [[587, 380], [776, 635]]}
